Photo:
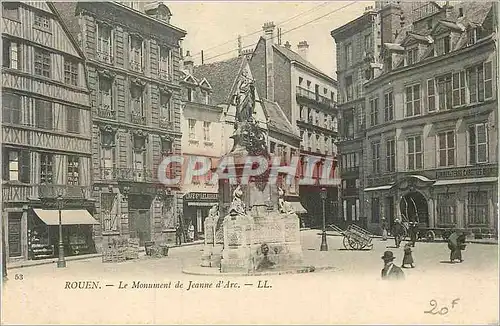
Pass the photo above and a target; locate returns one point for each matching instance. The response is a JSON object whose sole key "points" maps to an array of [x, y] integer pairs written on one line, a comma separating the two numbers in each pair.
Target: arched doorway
{"points": [[413, 206]]}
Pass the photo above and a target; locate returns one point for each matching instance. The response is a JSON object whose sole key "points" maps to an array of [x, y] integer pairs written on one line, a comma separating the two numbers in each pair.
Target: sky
{"points": [[210, 24]]}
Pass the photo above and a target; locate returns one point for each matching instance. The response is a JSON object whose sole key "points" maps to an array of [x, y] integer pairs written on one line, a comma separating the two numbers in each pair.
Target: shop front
{"points": [[462, 198], [196, 207], [43, 233]]}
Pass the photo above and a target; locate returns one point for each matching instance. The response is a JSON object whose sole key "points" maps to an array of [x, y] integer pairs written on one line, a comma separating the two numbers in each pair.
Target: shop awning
{"points": [[203, 204], [68, 217], [465, 181], [421, 178], [297, 207], [386, 187]]}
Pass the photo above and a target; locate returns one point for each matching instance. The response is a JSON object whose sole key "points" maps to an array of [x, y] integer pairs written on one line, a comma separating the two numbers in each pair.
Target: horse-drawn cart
{"points": [[357, 238]]}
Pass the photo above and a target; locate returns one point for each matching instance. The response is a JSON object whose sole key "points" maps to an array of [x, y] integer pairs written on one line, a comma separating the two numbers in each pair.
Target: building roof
{"points": [[277, 118], [221, 76], [293, 56], [67, 12]]}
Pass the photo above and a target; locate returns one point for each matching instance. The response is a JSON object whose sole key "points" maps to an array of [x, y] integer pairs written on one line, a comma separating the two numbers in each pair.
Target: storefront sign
{"points": [[201, 196], [467, 173]]}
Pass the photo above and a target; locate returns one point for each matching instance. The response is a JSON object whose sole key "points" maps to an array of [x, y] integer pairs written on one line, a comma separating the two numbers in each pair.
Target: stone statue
{"points": [[237, 206], [283, 206], [245, 99]]}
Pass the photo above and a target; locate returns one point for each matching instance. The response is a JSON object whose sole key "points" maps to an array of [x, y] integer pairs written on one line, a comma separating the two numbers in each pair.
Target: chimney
{"points": [[188, 63], [288, 45], [269, 38], [460, 12], [303, 49]]}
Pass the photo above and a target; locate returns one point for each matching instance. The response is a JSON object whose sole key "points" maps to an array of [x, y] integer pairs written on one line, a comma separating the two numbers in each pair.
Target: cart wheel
{"points": [[430, 236], [362, 246], [354, 244], [346, 242]]}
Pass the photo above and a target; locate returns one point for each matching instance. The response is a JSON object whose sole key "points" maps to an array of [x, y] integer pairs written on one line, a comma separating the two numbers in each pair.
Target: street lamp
{"points": [[324, 244], [61, 263]]}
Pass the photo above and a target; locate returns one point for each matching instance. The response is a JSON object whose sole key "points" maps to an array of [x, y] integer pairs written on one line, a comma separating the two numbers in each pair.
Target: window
{"points": [[368, 44], [105, 93], [46, 168], [348, 55], [42, 63], [16, 165], [411, 56], [136, 93], [443, 45], [136, 45], [107, 162], [446, 209], [477, 207], [414, 153], [488, 80], [376, 157], [43, 114], [431, 95], [446, 148], [11, 55], [206, 131], [472, 36], [413, 100], [459, 88], [374, 111], [190, 95], [73, 120], [73, 170], [70, 72], [388, 106], [349, 88], [11, 108], [444, 92], [478, 143], [42, 20], [10, 10], [139, 160], [390, 164], [192, 128], [165, 105], [206, 98], [109, 212], [300, 81], [165, 62], [104, 43], [318, 143]]}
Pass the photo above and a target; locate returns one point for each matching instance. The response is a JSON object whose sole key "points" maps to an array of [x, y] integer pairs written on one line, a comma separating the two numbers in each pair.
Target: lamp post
{"points": [[61, 262], [324, 244]]}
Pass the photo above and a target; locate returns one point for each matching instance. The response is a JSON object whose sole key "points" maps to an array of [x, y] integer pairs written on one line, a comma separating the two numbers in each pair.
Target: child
{"points": [[407, 258]]}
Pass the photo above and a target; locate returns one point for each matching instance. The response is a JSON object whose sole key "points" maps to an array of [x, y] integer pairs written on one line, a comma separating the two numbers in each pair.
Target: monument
{"points": [[253, 228]]}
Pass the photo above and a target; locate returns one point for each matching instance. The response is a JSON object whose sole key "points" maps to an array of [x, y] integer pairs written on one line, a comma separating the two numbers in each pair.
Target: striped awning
{"points": [[68, 217]]}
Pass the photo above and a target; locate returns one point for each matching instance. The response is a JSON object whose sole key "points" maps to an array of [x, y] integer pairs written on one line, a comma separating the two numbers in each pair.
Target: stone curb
{"points": [[30, 263], [478, 241], [211, 271]]}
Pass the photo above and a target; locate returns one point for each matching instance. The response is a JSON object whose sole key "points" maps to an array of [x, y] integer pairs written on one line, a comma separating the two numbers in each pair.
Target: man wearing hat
{"points": [[397, 232], [391, 271]]}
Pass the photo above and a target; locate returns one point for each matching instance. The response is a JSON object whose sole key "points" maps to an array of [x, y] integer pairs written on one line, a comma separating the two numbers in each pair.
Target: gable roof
{"points": [[66, 13], [295, 57], [277, 118], [221, 76]]}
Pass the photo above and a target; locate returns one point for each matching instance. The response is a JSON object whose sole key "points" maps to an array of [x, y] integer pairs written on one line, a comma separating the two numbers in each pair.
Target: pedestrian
{"points": [[408, 258], [456, 243], [391, 271], [384, 229], [397, 232], [178, 234], [191, 232], [413, 233]]}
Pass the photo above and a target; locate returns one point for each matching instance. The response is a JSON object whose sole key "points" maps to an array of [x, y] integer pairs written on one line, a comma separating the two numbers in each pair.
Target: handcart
{"points": [[357, 238]]}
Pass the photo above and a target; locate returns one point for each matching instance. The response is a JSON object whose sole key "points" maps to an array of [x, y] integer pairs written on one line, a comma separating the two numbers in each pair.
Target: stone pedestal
{"points": [[238, 234]]}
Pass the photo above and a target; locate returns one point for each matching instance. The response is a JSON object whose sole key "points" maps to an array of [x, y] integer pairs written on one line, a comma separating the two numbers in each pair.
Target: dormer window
{"points": [[411, 56], [443, 45], [206, 97], [190, 95], [472, 36]]}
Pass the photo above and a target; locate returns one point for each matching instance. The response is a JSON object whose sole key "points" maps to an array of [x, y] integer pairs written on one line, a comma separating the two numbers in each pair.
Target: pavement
{"points": [[345, 283]]}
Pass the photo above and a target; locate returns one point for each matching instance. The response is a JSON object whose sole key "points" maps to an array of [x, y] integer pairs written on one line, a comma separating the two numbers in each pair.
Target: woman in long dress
{"points": [[384, 229], [456, 243], [191, 232]]}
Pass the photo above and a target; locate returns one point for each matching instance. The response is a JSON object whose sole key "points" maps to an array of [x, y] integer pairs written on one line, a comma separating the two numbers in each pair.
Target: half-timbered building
{"points": [[133, 57], [46, 134]]}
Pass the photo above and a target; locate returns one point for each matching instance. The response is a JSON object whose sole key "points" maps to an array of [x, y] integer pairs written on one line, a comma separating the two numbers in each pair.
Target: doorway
{"points": [[414, 208], [14, 232], [139, 218]]}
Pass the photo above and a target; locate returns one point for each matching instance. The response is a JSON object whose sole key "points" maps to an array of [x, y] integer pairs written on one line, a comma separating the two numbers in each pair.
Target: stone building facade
{"points": [[46, 133], [431, 142], [133, 55]]}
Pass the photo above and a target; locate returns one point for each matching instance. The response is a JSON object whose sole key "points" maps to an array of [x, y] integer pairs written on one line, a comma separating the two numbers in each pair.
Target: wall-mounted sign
{"points": [[489, 171], [201, 196]]}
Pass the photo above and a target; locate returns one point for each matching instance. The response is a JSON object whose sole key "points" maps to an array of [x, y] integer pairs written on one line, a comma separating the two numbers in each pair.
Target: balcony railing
{"points": [[105, 57], [166, 123], [23, 192], [106, 112], [137, 119], [136, 66], [164, 75], [127, 174], [305, 93]]}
